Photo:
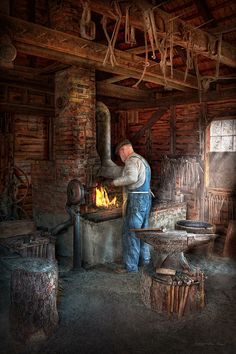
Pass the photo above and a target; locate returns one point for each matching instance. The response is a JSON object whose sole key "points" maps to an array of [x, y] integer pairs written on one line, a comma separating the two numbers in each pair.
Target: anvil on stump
{"points": [[171, 285]]}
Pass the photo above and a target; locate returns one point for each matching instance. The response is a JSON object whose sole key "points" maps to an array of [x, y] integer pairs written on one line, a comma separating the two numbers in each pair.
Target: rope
{"points": [[189, 49], [218, 55], [146, 63], [199, 79], [171, 35], [112, 41]]}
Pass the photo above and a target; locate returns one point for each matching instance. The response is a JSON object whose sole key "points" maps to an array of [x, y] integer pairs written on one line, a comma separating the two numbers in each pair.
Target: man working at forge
{"points": [[135, 179]]}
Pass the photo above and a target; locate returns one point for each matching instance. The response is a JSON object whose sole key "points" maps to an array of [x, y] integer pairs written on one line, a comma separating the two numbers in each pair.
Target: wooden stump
{"points": [[33, 309], [175, 300]]}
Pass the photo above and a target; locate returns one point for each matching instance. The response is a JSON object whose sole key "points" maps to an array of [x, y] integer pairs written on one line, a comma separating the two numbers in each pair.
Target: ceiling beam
{"points": [[114, 79], [41, 41], [178, 99], [71, 59], [201, 38], [25, 76], [127, 93], [205, 12], [139, 50], [52, 68], [26, 109]]}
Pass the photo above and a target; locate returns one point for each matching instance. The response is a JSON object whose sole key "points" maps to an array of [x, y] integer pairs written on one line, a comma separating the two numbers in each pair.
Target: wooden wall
{"points": [[25, 140], [179, 133], [31, 138]]}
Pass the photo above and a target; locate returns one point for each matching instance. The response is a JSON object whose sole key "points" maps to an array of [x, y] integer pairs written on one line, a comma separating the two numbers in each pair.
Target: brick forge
{"points": [[74, 150]]}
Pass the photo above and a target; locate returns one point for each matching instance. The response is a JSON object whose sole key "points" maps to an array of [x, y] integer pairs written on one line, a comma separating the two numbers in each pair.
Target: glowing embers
{"points": [[102, 199]]}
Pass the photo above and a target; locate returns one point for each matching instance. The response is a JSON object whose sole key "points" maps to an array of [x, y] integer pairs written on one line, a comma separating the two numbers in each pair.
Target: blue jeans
{"points": [[135, 251]]}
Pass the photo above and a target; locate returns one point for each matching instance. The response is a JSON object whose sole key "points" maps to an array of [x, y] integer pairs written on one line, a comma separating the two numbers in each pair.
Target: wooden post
{"points": [[33, 309], [230, 241], [172, 130]]}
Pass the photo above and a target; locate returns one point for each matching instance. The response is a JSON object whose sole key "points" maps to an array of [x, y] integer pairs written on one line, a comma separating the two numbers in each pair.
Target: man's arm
{"points": [[130, 174]]}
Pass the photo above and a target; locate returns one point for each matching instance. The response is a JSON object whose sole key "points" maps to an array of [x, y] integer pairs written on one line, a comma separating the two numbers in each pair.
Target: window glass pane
{"points": [[227, 127], [216, 143], [216, 128], [227, 143], [223, 135]]}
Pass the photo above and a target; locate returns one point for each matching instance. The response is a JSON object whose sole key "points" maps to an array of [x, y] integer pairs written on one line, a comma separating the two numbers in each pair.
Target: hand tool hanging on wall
{"points": [[87, 27], [129, 30], [183, 173], [221, 207]]}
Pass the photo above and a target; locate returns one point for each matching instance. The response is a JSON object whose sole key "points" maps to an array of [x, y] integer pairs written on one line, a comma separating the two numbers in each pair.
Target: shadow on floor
{"points": [[102, 312]]}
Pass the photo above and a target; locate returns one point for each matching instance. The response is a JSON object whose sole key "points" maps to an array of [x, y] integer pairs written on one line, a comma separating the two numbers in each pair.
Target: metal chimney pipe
{"points": [[103, 118]]}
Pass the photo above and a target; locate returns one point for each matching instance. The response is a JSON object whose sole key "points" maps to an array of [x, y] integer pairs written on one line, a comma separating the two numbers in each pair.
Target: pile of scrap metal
{"points": [[39, 244], [20, 238]]}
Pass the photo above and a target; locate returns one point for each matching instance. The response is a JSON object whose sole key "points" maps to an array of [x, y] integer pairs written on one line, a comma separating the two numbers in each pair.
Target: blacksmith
{"points": [[135, 179]]}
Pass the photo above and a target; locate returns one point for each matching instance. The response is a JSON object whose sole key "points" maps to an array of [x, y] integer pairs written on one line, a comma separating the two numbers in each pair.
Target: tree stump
{"points": [[172, 299], [33, 309]]}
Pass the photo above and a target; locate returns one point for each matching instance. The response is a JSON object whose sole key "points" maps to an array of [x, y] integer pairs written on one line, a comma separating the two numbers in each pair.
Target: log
{"points": [[170, 298], [33, 308]]}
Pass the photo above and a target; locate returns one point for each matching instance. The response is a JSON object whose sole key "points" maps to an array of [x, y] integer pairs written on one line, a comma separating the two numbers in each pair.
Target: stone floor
{"points": [[101, 313]]}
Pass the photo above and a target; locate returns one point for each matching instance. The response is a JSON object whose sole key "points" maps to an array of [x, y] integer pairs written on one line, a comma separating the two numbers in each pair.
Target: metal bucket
{"points": [[198, 227], [195, 226]]}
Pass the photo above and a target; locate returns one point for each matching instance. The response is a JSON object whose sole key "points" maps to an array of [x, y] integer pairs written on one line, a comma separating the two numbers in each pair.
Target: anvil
{"points": [[170, 246]]}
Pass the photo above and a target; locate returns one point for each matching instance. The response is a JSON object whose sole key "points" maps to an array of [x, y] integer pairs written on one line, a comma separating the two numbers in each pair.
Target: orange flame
{"points": [[102, 199]]}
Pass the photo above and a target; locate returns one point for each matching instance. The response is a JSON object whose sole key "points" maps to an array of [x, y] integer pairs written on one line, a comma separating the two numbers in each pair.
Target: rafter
{"points": [[38, 40], [178, 99], [114, 79], [127, 93], [201, 38], [151, 121]]}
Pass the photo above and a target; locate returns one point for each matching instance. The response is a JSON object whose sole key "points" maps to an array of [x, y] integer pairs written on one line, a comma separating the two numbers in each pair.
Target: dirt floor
{"points": [[101, 312]]}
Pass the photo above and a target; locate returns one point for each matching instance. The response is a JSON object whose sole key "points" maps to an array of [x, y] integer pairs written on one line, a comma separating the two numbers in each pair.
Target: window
{"points": [[223, 135]]}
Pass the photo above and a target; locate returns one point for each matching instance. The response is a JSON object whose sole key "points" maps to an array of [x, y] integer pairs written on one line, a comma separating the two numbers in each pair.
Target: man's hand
{"points": [[108, 183]]}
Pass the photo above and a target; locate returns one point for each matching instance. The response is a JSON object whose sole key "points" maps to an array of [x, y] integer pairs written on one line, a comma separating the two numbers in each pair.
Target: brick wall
{"points": [[75, 153]]}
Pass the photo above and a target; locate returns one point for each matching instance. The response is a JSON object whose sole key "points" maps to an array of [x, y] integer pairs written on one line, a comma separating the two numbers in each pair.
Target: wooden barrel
{"points": [[33, 309]]}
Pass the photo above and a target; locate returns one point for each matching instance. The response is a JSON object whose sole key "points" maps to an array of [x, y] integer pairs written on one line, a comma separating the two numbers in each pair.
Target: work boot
{"points": [[124, 271]]}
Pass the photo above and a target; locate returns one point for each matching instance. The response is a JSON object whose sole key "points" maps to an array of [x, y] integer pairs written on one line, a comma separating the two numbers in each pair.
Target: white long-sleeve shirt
{"points": [[133, 173]]}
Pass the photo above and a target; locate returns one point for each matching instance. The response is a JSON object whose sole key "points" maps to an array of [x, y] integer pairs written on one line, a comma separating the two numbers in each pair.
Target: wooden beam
{"points": [[139, 50], [201, 39], [178, 99], [223, 29], [151, 121], [205, 12], [121, 68], [115, 79], [27, 75], [122, 92], [52, 68], [41, 41], [12, 228], [31, 85], [26, 109]]}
